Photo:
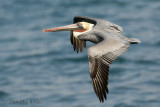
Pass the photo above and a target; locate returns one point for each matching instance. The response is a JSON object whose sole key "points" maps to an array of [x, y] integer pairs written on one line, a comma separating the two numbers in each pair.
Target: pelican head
{"points": [[83, 29]]}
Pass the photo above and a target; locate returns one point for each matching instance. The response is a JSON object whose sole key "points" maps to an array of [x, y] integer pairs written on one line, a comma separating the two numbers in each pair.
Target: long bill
{"points": [[76, 26]]}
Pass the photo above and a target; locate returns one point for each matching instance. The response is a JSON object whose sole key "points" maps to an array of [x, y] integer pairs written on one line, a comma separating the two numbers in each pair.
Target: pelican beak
{"points": [[76, 26]]}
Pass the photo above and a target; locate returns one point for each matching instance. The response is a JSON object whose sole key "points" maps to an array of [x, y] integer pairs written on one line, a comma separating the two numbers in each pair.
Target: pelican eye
{"points": [[80, 25]]}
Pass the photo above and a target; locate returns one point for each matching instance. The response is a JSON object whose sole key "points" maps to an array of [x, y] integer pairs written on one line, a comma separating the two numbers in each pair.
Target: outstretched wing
{"points": [[100, 58]]}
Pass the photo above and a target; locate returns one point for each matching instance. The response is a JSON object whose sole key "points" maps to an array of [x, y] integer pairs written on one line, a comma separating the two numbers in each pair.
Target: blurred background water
{"points": [[44, 67]]}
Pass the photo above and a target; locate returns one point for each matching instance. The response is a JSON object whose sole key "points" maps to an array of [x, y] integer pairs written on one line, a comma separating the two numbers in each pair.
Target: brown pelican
{"points": [[109, 45]]}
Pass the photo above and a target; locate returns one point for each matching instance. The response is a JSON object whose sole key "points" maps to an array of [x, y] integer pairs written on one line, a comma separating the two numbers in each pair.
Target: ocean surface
{"points": [[39, 69]]}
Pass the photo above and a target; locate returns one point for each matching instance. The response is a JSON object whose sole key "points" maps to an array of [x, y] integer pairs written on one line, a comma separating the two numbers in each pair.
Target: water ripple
{"points": [[73, 59], [3, 94]]}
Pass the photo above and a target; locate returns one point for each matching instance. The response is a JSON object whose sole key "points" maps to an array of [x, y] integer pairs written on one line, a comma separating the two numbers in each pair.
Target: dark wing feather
{"points": [[100, 58], [80, 45], [77, 43], [71, 37]]}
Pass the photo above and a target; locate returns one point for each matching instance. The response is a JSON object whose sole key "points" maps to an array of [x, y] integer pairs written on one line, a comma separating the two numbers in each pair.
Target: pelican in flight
{"points": [[109, 44]]}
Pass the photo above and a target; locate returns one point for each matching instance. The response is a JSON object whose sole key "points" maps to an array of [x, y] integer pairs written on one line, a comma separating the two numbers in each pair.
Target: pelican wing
{"points": [[77, 43], [100, 58]]}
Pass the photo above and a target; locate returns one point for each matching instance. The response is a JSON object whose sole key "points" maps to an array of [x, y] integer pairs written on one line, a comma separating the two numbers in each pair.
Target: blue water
{"points": [[43, 69]]}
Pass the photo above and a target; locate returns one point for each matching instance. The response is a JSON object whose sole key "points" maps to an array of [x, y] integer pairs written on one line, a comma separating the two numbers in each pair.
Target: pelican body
{"points": [[109, 44]]}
